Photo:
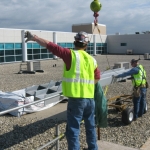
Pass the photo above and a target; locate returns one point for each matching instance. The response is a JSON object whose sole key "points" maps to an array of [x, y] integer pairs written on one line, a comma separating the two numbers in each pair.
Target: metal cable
{"points": [[106, 57]]}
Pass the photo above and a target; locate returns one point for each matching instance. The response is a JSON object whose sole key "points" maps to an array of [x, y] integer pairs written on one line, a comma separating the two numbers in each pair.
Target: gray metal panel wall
{"points": [[139, 43]]}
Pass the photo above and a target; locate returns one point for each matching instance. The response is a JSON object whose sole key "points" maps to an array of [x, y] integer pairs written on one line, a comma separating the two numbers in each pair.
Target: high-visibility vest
{"points": [[139, 78], [78, 82]]}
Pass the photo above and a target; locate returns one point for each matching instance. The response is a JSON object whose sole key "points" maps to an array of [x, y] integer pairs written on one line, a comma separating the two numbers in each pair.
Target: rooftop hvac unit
{"points": [[129, 51], [121, 65], [33, 65], [137, 32], [117, 33], [146, 56]]}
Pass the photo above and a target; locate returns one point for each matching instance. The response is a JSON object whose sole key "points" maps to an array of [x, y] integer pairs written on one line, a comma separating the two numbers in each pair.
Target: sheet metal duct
{"points": [[107, 76]]}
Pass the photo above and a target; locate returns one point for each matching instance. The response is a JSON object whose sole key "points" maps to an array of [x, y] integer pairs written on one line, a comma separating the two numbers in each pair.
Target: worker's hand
{"points": [[29, 36], [114, 78]]}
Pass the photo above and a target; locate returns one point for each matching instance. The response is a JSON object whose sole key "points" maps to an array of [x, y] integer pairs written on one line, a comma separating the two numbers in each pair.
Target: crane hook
{"points": [[96, 7]]}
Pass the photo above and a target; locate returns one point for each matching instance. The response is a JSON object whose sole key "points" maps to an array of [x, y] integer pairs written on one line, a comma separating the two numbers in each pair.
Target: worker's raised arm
{"points": [[61, 52], [32, 37]]}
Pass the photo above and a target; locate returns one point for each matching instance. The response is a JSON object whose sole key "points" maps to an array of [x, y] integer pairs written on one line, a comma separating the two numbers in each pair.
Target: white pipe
{"points": [[55, 41], [24, 47], [94, 42]]}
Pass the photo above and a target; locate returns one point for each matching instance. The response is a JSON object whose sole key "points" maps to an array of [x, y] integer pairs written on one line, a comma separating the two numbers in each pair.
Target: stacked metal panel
{"points": [[107, 77], [51, 93], [44, 91]]}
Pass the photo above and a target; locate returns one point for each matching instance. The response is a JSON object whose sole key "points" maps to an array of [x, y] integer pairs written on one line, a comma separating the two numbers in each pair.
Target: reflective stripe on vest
{"points": [[139, 78], [77, 79]]}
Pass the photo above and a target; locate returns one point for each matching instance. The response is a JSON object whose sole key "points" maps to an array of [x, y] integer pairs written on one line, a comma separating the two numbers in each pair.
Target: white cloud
{"points": [[119, 16], [126, 16]]}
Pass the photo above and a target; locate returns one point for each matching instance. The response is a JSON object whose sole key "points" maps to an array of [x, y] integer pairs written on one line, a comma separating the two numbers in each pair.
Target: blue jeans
{"points": [[78, 109], [140, 103]]}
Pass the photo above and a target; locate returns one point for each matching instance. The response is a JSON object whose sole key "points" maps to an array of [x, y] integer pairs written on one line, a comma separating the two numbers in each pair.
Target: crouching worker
{"points": [[79, 77]]}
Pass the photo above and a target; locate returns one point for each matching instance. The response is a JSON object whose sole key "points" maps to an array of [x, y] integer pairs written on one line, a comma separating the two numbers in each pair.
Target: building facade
{"points": [[14, 49], [119, 44]]}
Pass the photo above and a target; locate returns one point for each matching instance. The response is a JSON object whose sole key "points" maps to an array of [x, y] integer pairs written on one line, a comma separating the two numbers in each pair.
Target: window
{"points": [[30, 57], [36, 56], [1, 45], [62, 44], [44, 51], [10, 58], [44, 56], [1, 59], [36, 51], [123, 44], [9, 52], [18, 52], [18, 45], [9, 46], [29, 51], [18, 58], [29, 45], [69, 45], [51, 55], [1, 52], [36, 45]]}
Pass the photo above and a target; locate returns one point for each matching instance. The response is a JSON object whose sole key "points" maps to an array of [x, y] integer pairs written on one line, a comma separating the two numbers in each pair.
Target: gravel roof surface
{"points": [[133, 135]]}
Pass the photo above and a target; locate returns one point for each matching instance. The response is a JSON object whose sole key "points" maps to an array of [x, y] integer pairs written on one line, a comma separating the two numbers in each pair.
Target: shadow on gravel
{"points": [[114, 118], [115, 122], [112, 111], [20, 134]]}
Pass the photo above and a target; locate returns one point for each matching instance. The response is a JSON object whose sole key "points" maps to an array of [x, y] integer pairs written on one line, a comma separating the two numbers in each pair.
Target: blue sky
{"points": [[56, 15]]}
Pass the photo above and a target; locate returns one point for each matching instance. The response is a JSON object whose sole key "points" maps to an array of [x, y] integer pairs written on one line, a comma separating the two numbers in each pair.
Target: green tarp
{"points": [[100, 106]]}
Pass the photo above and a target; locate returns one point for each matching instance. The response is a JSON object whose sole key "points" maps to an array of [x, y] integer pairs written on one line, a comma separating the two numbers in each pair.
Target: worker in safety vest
{"points": [[79, 77], [139, 82]]}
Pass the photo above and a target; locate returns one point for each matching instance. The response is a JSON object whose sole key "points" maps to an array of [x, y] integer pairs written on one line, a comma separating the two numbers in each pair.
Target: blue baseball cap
{"points": [[133, 60]]}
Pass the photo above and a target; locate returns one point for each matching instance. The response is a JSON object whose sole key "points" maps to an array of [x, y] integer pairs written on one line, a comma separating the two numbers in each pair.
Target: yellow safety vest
{"points": [[140, 78], [78, 82]]}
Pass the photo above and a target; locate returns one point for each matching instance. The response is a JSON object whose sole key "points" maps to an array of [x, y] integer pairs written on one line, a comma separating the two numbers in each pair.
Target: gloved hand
{"points": [[29, 36], [114, 78]]}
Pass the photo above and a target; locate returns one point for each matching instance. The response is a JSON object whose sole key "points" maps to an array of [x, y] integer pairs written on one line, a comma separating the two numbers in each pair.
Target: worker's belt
{"points": [[143, 85]]}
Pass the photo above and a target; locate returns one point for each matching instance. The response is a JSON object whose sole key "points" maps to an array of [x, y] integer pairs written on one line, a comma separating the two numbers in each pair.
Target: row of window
{"points": [[11, 52], [30, 57], [10, 59], [40, 56], [14, 46], [8, 46], [123, 44], [99, 50]]}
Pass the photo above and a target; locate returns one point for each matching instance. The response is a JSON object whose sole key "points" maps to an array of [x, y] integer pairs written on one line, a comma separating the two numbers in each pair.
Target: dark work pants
{"points": [[140, 103]]}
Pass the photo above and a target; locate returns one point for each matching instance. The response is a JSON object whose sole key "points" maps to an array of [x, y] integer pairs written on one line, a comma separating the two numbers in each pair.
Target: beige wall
{"points": [[8, 35], [89, 28], [14, 35]]}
